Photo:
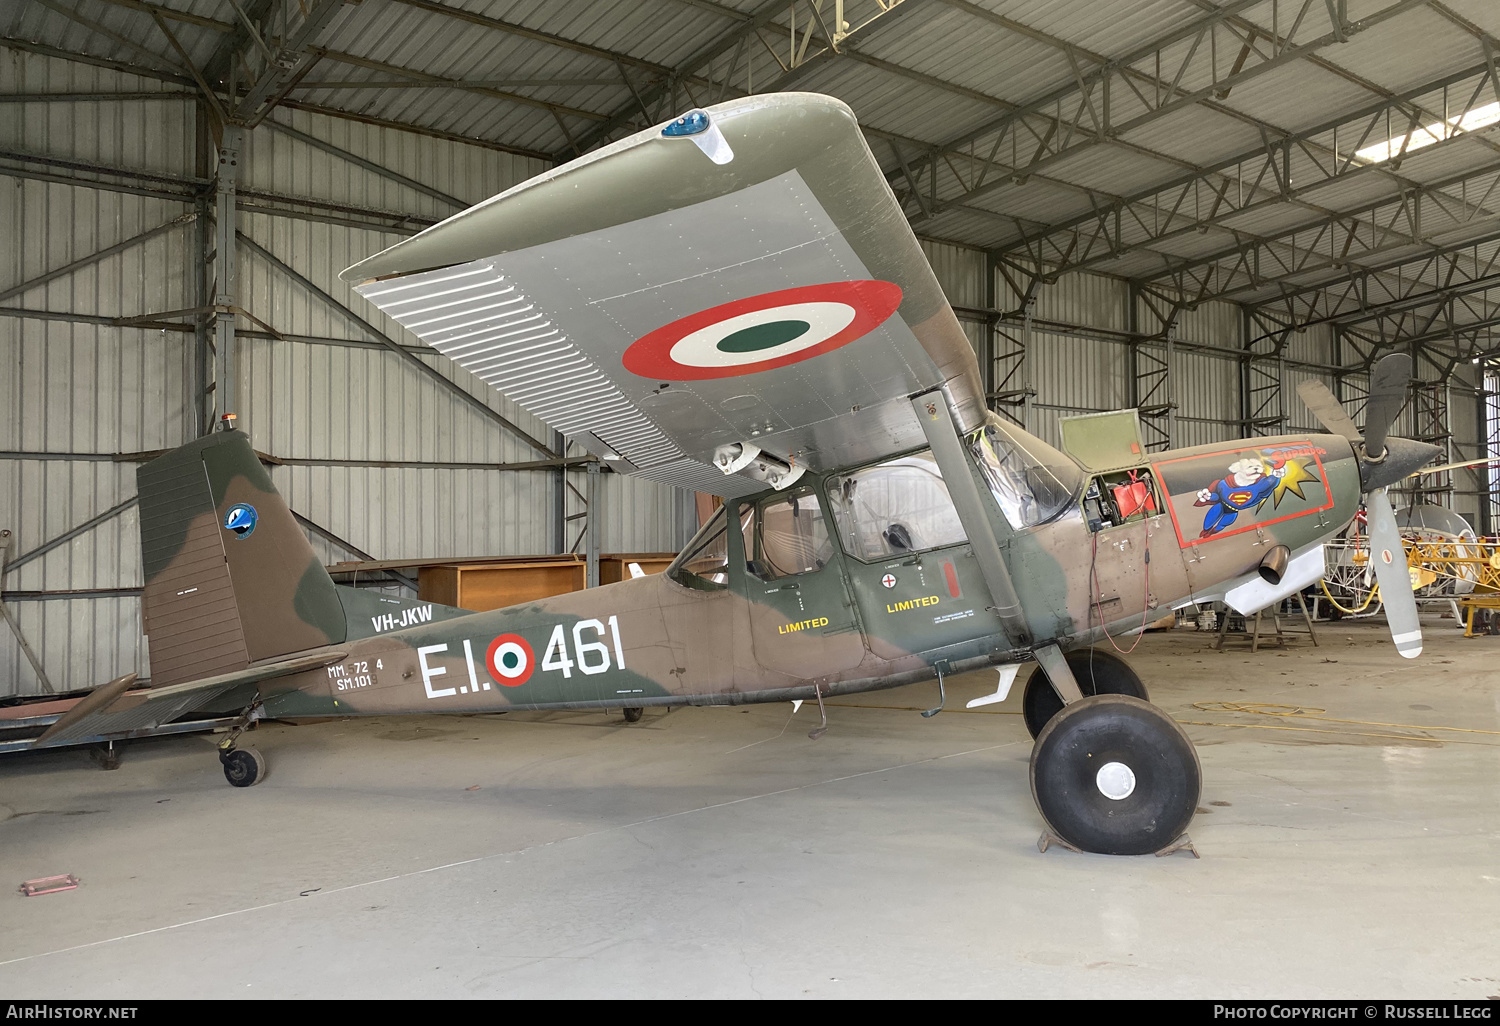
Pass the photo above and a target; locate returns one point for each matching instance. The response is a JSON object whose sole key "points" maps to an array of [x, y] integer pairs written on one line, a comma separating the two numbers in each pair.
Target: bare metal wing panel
{"points": [[666, 308]]}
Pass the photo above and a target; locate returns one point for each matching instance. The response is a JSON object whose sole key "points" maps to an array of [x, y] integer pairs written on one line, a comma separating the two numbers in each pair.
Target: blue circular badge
{"points": [[241, 519]]}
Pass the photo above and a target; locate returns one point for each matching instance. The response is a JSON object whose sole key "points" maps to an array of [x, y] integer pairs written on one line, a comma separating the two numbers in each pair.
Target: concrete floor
{"points": [[702, 852]]}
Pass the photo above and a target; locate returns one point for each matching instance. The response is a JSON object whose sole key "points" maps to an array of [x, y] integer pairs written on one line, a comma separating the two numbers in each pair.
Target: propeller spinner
{"points": [[1382, 462]]}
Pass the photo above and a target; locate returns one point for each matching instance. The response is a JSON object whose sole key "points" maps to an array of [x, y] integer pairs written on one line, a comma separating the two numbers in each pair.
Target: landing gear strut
{"points": [[1113, 774], [1098, 673], [243, 767], [106, 755]]}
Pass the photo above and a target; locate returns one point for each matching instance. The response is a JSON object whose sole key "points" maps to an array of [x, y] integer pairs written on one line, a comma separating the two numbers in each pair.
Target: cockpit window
{"points": [[704, 564], [1031, 481], [898, 507], [789, 536]]}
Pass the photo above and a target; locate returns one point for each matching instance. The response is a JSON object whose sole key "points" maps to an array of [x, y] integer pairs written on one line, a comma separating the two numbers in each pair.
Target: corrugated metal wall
{"points": [[89, 388]]}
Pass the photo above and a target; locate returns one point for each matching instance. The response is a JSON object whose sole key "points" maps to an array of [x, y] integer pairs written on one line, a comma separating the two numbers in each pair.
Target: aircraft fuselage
{"points": [[751, 630]]}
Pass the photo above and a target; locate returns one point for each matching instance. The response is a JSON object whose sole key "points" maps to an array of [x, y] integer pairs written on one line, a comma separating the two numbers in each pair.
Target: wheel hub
{"points": [[1115, 781]]}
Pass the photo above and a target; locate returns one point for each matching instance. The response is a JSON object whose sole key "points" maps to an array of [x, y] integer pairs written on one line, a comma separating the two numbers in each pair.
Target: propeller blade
{"points": [[1455, 466], [1329, 411], [1389, 560], [1387, 395]]}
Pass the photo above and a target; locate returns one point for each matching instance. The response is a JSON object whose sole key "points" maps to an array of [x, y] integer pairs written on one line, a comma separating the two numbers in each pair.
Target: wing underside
{"points": [[663, 309]]}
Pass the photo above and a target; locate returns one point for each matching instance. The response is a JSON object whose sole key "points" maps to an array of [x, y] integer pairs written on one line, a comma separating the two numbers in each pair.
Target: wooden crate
{"points": [[615, 566], [483, 586]]}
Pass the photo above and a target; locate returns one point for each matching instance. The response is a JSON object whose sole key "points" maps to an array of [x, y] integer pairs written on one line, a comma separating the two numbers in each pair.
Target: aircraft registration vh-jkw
{"points": [[734, 303]]}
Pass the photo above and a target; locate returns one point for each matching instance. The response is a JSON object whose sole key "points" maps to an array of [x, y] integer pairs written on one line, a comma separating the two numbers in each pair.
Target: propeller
{"points": [[1383, 461]]}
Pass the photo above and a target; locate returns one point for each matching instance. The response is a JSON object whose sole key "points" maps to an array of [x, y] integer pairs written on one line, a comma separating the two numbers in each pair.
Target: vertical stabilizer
{"points": [[230, 577]]}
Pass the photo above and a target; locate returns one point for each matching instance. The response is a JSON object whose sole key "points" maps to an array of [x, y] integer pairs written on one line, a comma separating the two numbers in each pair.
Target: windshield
{"points": [[1031, 481], [895, 508], [705, 561]]}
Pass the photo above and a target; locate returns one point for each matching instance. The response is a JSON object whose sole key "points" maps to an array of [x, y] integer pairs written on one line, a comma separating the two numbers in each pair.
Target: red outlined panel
{"points": [[1290, 482]]}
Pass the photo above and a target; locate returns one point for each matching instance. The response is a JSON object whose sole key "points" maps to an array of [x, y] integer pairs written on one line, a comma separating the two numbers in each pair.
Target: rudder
{"points": [[230, 577]]}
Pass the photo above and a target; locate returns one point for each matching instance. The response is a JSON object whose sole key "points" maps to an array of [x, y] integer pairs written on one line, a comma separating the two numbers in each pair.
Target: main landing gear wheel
{"points": [[243, 767], [633, 713], [1115, 775], [1097, 672]]}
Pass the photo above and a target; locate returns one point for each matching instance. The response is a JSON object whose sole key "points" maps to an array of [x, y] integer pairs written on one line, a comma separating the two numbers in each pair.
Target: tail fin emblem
{"points": [[241, 519]]}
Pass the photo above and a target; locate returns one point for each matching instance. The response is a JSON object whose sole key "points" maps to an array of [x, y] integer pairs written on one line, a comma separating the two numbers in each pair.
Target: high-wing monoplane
{"points": [[734, 303]]}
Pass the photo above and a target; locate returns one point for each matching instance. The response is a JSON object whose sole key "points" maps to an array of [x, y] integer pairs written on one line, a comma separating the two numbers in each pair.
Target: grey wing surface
{"points": [[670, 299]]}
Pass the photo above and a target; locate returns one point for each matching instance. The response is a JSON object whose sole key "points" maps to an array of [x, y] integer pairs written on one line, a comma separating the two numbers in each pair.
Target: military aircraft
{"points": [[733, 302]]}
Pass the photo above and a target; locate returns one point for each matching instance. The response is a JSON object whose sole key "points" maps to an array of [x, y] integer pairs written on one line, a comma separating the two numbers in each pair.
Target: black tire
{"points": [[1076, 765], [244, 767], [1098, 673], [633, 713]]}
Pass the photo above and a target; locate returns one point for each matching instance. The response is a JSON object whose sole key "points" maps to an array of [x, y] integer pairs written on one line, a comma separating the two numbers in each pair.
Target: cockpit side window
{"points": [[788, 535], [1031, 481], [895, 508]]}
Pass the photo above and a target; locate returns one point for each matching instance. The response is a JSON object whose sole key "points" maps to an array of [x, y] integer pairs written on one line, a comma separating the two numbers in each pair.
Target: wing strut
{"points": [[932, 413]]}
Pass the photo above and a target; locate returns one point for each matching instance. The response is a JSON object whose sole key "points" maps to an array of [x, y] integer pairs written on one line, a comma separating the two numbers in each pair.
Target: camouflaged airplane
{"points": [[734, 303]]}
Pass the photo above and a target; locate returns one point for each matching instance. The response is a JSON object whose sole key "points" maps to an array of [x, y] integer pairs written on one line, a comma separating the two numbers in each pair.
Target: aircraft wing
{"points": [[108, 710], [739, 279]]}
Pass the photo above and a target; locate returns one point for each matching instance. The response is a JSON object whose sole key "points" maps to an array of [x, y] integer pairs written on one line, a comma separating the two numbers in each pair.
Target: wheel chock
{"points": [[1183, 843]]}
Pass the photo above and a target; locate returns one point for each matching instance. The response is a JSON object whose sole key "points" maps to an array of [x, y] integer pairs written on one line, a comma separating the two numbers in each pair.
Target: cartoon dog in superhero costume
{"points": [[1250, 482]]}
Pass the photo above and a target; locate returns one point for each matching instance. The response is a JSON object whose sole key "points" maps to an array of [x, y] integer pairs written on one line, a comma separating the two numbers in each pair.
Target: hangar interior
{"points": [[1185, 207]]}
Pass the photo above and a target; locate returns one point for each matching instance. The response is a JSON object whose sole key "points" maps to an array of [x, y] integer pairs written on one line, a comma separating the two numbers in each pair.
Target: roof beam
{"points": [[1372, 288], [510, 28], [800, 59], [368, 165], [1252, 180], [1412, 218], [1105, 101], [153, 58], [453, 83], [286, 64]]}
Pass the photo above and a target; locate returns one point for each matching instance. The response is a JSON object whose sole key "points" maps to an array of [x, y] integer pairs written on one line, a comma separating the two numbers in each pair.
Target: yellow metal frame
{"points": [[1476, 562]]}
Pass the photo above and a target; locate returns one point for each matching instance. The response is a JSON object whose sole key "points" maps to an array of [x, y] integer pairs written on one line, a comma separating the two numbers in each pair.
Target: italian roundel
{"points": [[509, 660], [763, 332]]}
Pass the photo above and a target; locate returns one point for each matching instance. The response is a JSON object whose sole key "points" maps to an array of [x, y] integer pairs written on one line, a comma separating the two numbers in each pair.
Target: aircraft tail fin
{"points": [[230, 577]]}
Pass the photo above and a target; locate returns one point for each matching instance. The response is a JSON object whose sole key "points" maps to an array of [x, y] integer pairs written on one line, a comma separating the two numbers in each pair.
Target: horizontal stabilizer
{"points": [[108, 710]]}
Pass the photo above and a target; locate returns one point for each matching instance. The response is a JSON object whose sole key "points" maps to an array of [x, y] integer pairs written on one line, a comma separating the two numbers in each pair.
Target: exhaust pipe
{"points": [[1273, 564]]}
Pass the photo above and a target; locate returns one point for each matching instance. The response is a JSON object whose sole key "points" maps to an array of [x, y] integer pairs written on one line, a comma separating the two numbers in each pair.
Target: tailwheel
{"points": [[1098, 673], [1115, 775], [243, 767], [106, 755], [633, 713]]}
